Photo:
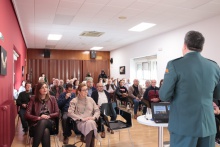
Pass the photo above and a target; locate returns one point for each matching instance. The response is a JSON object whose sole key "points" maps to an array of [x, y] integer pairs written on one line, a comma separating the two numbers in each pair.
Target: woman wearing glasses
{"points": [[84, 111]]}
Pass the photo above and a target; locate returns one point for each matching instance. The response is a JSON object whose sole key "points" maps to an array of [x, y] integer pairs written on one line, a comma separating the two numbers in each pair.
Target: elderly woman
{"points": [[84, 111], [41, 113]]}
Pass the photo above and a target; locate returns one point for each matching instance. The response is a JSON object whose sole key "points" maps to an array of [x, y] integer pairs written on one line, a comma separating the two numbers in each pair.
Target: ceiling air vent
{"points": [[91, 34]]}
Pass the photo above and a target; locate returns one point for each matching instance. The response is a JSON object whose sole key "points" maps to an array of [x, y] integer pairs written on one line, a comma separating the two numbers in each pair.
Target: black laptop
{"points": [[160, 112]]}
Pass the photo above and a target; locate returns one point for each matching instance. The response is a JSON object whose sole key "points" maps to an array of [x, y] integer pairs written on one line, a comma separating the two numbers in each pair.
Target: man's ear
{"points": [[184, 49]]}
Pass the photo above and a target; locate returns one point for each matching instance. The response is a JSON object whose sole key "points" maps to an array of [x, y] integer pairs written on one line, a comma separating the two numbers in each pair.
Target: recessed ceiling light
{"points": [[96, 48], [141, 27], [54, 37]]}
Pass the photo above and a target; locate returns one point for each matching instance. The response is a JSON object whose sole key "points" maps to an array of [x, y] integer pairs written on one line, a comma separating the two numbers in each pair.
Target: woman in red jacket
{"points": [[41, 113]]}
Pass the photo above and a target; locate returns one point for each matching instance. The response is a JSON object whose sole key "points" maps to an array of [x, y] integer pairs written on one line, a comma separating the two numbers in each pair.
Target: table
{"points": [[142, 120]]}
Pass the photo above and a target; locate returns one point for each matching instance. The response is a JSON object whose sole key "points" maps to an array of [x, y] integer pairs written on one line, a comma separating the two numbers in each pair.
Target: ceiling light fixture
{"points": [[54, 37], [141, 27], [96, 48]]}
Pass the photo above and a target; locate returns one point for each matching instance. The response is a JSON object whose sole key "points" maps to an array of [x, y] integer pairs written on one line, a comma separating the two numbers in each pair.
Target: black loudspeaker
{"points": [[92, 54], [46, 53], [111, 60]]}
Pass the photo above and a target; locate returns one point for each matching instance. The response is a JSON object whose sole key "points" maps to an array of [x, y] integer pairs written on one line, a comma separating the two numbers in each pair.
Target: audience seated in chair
{"points": [[22, 102], [84, 111], [22, 87], [110, 88], [63, 103], [41, 114], [152, 94], [101, 96], [57, 89], [90, 87], [122, 92], [136, 94]]}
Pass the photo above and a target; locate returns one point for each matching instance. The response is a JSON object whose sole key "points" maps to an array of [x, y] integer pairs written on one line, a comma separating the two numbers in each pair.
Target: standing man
{"points": [[22, 101], [63, 103], [190, 83], [102, 76]]}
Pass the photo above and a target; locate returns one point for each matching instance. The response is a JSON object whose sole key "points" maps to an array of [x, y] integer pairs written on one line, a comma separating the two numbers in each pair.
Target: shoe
{"points": [[109, 130], [65, 140], [135, 116], [103, 134], [217, 141]]}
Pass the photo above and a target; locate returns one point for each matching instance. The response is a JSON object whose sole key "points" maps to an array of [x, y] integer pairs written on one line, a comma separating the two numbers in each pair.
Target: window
{"points": [[146, 68]]}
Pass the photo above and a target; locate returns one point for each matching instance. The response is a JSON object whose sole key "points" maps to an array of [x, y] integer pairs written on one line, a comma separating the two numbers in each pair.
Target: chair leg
{"points": [[130, 137]]}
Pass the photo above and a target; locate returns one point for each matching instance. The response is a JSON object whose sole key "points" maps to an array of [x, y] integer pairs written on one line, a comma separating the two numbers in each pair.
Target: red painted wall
{"points": [[13, 39]]}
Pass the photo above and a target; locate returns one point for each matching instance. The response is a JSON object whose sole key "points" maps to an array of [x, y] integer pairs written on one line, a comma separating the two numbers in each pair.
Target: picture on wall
{"points": [[122, 70], [3, 64]]}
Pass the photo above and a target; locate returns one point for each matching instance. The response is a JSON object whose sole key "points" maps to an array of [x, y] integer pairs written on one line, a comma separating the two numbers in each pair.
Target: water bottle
{"points": [[148, 114], [128, 107]]}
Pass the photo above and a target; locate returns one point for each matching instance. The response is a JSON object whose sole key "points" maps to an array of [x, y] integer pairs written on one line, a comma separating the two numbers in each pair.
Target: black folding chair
{"points": [[111, 109]]}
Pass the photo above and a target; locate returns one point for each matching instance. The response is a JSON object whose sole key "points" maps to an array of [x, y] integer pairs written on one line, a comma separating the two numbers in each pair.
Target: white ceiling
{"points": [[38, 18]]}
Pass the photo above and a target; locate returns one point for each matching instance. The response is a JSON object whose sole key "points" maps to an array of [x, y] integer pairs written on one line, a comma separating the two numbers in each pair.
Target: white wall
{"points": [[171, 45]]}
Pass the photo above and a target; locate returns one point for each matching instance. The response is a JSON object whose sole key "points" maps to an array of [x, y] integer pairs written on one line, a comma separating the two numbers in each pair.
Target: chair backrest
{"points": [[73, 126], [108, 109], [126, 116]]}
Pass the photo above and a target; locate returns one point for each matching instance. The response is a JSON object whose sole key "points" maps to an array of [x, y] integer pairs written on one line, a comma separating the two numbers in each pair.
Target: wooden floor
{"points": [[141, 135]]}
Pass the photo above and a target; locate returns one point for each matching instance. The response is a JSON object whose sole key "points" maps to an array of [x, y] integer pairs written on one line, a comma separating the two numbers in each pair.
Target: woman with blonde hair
{"points": [[85, 112]]}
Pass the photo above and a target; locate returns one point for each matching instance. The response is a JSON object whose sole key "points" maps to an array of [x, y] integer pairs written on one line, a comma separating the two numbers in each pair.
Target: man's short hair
{"points": [[194, 41], [69, 85], [27, 83]]}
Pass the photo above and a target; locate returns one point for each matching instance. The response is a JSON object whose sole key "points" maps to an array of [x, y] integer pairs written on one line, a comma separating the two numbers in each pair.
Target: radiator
{"points": [[7, 123]]}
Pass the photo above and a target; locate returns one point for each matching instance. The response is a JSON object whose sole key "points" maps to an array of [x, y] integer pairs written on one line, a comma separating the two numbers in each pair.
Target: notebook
{"points": [[160, 112]]}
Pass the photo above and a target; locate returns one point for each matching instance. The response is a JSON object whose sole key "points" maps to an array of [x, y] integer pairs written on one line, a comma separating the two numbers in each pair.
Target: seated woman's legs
{"points": [[42, 133], [90, 139], [90, 130]]}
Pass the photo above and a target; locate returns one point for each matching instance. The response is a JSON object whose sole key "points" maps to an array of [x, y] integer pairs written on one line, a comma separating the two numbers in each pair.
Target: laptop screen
{"points": [[160, 111]]}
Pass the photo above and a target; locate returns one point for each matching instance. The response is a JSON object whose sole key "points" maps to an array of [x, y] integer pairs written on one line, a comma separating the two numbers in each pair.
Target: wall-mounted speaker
{"points": [[46, 53], [111, 60], [92, 54]]}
